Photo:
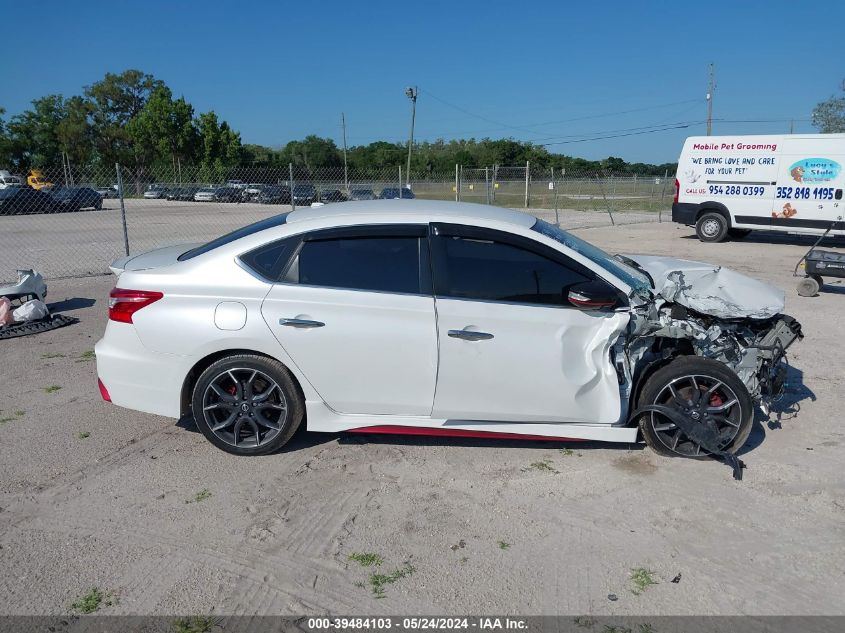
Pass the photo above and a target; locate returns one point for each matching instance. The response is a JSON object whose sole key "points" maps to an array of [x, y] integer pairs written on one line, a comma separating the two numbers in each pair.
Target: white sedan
{"points": [[420, 317]]}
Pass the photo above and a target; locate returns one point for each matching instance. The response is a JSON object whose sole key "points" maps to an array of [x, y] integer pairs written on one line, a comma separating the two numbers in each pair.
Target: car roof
{"points": [[436, 210]]}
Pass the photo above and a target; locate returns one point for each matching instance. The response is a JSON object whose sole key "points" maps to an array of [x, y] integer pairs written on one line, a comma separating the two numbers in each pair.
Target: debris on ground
{"points": [[22, 308]]}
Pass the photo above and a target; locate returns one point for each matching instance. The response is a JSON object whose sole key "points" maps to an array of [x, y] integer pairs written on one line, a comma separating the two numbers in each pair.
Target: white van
{"points": [[726, 186]]}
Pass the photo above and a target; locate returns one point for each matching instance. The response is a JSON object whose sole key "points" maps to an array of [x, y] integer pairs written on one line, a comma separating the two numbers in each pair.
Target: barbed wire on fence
{"points": [[75, 222]]}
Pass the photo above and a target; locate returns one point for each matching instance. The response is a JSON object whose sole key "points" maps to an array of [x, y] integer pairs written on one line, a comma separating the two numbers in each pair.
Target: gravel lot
{"points": [[146, 508]]}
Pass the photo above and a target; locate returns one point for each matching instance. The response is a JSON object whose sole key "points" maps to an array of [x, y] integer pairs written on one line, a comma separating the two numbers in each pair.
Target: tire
{"points": [[98, 205], [809, 286], [663, 437], [260, 424], [712, 226], [738, 234]]}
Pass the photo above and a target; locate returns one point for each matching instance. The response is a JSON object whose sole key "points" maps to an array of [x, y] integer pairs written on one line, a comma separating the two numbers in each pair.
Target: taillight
{"points": [[124, 303], [677, 190], [103, 391]]}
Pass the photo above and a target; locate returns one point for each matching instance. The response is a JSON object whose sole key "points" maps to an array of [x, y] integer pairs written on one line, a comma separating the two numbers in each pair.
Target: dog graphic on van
{"points": [[797, 174], [788, 211]]}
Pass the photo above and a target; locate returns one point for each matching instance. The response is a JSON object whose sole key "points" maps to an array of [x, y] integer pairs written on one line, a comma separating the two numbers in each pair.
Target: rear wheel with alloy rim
{"points": [[247, 404], [703, 390]]}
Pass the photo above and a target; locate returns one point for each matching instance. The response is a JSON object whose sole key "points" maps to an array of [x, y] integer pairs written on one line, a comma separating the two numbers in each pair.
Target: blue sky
{"points": [[543, 71]]}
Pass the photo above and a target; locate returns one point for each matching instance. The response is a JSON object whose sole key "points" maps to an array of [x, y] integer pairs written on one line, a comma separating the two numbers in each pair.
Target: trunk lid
{"points": [[153, 259]]}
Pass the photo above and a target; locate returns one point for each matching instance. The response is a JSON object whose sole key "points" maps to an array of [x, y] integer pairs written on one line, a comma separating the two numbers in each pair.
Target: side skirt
{"points": [[320, 418]]}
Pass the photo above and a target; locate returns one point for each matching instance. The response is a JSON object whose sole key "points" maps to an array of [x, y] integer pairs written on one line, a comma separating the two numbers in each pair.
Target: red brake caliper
{"points": [[716, 400]]}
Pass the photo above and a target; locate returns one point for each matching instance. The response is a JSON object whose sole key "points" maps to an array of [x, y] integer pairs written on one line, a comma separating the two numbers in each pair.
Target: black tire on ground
{"points": [[285, 395], [738, 234], [809, 286], [712, 226], [98, 205], [738, 417]]}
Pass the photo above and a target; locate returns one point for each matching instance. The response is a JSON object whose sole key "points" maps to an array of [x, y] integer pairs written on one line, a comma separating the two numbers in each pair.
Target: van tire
{"points": [[712, 226]]}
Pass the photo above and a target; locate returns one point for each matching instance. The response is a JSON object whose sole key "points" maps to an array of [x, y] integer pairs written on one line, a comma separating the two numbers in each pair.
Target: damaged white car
{"points": [[420, 317]]}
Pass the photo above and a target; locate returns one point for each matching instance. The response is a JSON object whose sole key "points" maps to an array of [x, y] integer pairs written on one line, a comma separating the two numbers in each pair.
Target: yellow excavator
{"points": [[36, 180]]}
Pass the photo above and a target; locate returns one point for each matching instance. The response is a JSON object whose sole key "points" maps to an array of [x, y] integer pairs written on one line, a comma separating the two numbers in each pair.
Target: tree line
{"points": [[133, 119]]}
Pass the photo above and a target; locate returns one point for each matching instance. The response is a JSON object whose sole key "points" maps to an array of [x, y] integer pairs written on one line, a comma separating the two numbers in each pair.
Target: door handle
{"points": [[470, 335], [301, 323]]}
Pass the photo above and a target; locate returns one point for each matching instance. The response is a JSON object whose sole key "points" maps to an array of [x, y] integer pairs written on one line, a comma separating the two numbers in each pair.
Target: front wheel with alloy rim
{"points": [[712, 227], [702, 390], [247, 404]]}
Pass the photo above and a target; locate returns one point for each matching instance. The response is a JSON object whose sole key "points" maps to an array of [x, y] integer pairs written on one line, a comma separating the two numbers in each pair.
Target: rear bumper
{"points": [[135, 377], [684, 213]]}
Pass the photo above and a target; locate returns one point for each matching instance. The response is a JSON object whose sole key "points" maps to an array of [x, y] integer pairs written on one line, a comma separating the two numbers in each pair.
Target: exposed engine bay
{"points": [[713, 313]]}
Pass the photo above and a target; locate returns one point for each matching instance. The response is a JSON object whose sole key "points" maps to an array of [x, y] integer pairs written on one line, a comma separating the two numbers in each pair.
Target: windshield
{"points": [[638, 280]]}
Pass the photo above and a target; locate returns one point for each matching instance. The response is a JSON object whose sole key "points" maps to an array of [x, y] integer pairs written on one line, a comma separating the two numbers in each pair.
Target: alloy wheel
{"points": [[705, 399], [244, 407]]}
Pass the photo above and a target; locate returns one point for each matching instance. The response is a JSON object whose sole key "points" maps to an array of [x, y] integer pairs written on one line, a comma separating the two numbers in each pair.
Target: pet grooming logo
{"points": [[814, 170]]}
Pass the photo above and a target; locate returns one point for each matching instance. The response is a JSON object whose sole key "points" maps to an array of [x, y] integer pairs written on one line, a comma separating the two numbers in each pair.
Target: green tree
{"points": [[829, 115], [115, 101]]}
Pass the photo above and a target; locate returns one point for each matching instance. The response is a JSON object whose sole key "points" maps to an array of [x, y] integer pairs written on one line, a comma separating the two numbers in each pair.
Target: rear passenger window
{"points": [[382, 264], [494, 271]]}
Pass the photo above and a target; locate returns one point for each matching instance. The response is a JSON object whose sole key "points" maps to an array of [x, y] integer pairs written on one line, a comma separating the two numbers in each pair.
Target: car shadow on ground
{"points": [[784, 409], [76, 303]]}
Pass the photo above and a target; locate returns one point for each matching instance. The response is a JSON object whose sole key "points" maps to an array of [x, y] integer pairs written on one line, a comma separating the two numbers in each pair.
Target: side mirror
{"points": [[593, 295]]}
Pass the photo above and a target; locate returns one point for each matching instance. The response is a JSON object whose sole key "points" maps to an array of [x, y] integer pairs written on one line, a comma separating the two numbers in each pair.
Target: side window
{"points": [[382, 264], [269, 261], [495, 271]]}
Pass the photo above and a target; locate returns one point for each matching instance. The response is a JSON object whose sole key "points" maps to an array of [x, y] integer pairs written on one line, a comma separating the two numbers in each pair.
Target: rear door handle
{"points": [[470, 335], [301, 323]]}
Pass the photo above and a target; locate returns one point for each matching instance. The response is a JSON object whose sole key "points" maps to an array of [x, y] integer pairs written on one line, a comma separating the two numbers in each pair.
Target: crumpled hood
{"points": [[710, 289]]}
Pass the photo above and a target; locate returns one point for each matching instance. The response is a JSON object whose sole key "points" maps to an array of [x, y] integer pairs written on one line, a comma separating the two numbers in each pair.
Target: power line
{"points": [[526, 127]]}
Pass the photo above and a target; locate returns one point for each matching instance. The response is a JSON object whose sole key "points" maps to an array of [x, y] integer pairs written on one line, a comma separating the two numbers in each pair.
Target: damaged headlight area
{"points": [[755, 349]]}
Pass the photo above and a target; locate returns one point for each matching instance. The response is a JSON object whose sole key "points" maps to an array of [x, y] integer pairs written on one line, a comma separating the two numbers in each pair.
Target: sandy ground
{"points": [[472, 525]]}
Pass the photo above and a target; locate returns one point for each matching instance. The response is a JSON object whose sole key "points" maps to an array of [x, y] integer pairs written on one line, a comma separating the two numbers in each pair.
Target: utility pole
{"points": [[710, 88], [411, 93], [345, 170]]}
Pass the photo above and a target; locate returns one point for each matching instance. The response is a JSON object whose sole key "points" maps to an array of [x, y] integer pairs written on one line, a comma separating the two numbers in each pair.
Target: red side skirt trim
{"points": [[388, 429]]}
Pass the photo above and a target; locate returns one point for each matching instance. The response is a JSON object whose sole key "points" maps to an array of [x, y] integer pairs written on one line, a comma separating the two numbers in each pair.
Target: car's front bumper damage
{"points": [[713, 313]]}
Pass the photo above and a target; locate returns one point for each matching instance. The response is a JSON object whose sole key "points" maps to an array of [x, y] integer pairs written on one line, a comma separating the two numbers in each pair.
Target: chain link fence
{"points": [[68, 223]]}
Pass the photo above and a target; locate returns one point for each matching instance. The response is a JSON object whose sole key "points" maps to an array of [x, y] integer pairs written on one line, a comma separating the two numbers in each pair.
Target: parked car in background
{"points": [[395, 193], [275, 194], [155, 191], [182, 193], [228, 194], [106, 192], [362, 194], [304, 194], [237, 184], [331, 195], [25, 200], [8, 180], [76, 198], [251, 191], [206, 194], [218, 194]]}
